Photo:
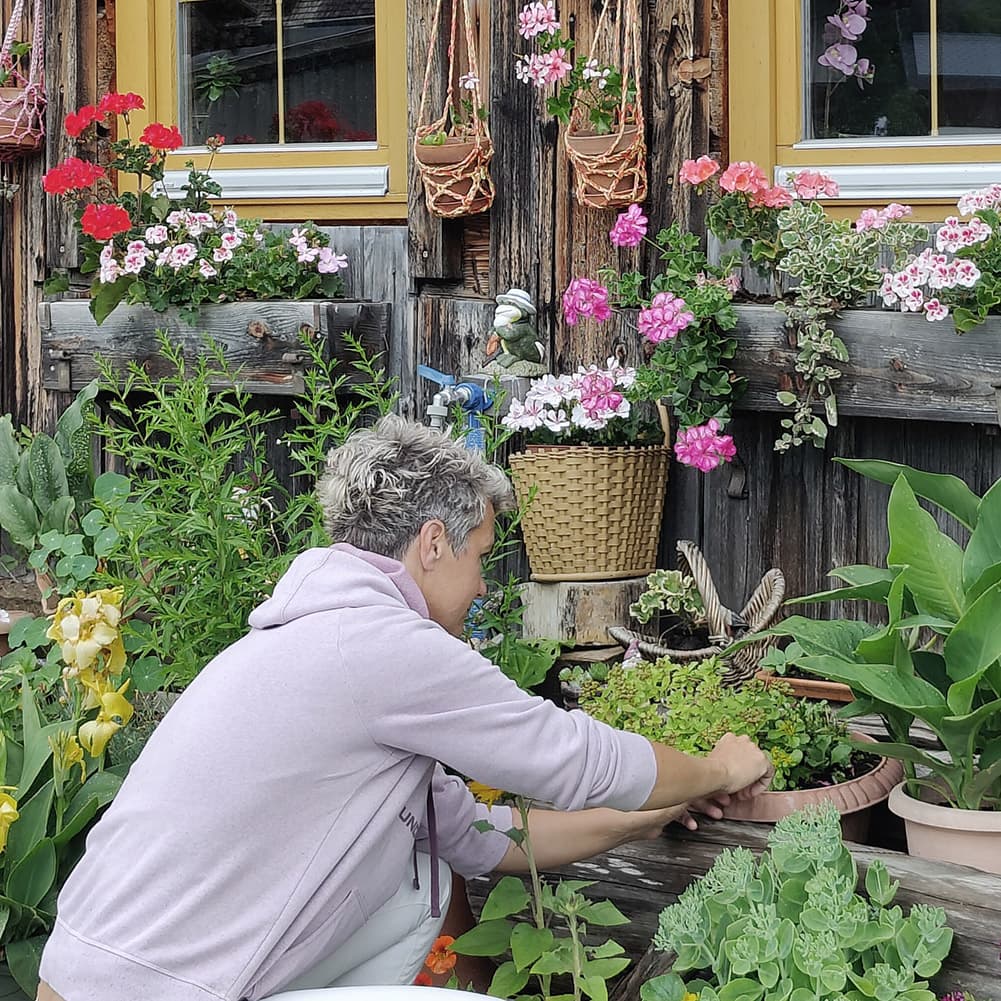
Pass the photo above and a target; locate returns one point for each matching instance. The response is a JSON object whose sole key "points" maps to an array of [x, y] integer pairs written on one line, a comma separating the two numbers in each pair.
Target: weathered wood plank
{"points": [[901, 365], [260, 340], [643, 878], [578, 612]]}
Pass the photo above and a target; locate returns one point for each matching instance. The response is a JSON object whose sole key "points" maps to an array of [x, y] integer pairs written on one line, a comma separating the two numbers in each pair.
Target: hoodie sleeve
{"points": [[468, 851], [422, 691]]}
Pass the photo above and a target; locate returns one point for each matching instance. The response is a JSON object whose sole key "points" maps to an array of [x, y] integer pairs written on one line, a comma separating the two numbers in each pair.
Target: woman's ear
{"points": [[431, 542]]}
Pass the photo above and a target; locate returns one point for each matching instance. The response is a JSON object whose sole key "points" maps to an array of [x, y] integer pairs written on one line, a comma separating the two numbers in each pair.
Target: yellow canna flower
{"points": [[484, 793], [8, 814], [115, 712], [66, 755], [690, 997]]}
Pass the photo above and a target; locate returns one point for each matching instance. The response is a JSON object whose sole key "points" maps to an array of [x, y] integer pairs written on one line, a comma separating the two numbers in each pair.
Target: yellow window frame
{"points": [[766, 87], [146, 63]]}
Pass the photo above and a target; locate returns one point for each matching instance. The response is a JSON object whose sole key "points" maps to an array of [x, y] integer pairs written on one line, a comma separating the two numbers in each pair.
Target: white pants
{"points": [[390, 948]]}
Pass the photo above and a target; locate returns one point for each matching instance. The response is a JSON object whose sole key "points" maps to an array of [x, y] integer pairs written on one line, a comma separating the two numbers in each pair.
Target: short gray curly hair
{"points": [[384, 483]]}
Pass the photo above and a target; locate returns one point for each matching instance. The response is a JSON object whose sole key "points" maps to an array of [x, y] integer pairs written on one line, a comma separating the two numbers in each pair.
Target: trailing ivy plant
{"points": [[792, 927]]}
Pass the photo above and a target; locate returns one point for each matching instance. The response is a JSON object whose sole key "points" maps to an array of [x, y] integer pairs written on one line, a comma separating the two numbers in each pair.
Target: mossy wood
{"points": [[259, 340]]}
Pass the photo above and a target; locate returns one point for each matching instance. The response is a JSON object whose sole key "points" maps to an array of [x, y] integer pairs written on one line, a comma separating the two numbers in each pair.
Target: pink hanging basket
{"points": [[22, 100]]}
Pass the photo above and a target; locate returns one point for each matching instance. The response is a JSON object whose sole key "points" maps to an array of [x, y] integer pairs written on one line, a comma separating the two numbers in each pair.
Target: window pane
{"points": [[869, 67], [229, 81]]}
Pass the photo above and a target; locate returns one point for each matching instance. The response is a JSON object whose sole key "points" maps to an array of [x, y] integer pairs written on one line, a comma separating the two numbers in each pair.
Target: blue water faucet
{"points": [[470, 396]]}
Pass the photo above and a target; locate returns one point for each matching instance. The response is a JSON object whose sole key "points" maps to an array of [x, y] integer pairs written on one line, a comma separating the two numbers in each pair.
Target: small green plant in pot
{"points": [[938, 659], [792, 927]]}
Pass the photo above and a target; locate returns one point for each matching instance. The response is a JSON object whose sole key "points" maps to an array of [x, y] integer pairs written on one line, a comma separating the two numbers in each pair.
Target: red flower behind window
{"points": [[102, 222]]}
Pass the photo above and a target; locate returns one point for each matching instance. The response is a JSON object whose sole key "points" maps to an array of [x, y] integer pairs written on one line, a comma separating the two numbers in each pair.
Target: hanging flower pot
{"points": [[609, 170], [453, 152], [455, 174], [22, 97]]}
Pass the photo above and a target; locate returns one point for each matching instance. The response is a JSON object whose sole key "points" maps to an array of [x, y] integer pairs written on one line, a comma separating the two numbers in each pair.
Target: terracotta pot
{"points": [[810, 688], [593, 187], [852, 798], [943, 833], [8, 120], [7, 619], [450, 153]]}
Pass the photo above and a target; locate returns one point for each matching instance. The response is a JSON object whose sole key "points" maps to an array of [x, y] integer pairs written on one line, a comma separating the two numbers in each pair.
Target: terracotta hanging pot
{"points": [[455, 175], [610, 170], [13, 136]]}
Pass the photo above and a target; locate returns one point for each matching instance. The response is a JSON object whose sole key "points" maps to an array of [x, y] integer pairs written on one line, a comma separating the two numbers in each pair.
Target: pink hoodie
{"points": [[278, 803]]}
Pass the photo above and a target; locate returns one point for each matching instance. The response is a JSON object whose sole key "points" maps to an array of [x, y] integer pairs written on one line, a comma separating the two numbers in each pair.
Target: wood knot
{"points": [[258, 329], [897, 365]]}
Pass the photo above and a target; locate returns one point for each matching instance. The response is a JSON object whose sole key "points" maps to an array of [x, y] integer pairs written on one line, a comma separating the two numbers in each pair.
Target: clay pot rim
{"points": [[952, 818], [764, 808]]}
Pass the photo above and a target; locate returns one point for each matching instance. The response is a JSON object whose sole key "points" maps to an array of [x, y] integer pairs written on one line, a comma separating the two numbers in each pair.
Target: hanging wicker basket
{"points": [[725, 626], [596, 510]]}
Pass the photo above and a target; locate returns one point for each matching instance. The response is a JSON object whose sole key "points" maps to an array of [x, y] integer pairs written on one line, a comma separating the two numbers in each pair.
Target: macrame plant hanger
{"points": [[455, 174], [610, 171], [22, 106]]}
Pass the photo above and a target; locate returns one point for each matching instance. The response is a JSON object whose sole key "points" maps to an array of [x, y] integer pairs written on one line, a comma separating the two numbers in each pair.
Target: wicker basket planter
{"points": [[596, 511]]}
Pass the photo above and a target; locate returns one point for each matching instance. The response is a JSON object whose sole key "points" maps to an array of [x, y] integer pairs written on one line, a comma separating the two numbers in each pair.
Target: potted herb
{"points": [[690, 707], [936, 660], [793, 924]]}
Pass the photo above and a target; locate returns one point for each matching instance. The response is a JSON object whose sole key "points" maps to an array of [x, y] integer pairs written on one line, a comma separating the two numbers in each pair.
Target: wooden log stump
{"points": [[578, 612]]}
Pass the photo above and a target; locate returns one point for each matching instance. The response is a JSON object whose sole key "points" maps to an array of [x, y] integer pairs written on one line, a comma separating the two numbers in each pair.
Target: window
{"points": [[309, 94], [854, 88]]}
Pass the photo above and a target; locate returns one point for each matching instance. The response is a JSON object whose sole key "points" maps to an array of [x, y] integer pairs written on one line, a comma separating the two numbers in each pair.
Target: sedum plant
{"points": [[938, 659], [792, 927]]}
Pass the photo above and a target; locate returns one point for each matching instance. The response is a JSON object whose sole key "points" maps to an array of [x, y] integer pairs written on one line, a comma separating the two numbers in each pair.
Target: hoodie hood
{"points": [[340, 576]]}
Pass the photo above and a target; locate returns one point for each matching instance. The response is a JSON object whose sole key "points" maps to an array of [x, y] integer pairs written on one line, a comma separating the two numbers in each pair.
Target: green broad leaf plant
{"points": [[539, 933], [792, 926], [938, 658]]}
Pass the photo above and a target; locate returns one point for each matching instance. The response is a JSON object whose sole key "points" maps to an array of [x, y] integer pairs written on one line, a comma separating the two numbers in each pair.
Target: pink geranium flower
{"points": [[664, 318], [698, 171], [744, 176], [775, 197], [630, 228], [813, 184], [585, 298], [704, 447]]}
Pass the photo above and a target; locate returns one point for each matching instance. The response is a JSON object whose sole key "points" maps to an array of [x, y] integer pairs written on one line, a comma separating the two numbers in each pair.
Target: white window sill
{"points": [[902, 182], [290, 182]]}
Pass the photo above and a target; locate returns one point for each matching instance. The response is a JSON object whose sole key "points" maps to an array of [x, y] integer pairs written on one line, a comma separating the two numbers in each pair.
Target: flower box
{"points": [[259, 338], [900, 365]]}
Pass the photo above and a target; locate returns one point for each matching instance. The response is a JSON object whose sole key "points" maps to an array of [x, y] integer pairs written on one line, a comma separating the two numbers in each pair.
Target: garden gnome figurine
{"points": [[515, 337]]}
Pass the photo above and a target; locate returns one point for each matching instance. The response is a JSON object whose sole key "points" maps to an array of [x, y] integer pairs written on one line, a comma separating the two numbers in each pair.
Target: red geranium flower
{"points": [[77, 121], [71, 175], [161, 137], [440, 960], [119, 104], [102, 222]]}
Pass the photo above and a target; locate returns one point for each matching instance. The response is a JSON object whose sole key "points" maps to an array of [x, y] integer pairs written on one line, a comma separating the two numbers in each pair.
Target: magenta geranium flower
{"points": [[704, 447], [664, 318], [630, 228], [585, 298]]}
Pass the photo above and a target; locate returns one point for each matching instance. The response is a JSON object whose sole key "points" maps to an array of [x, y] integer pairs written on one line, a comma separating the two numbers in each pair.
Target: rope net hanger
{"points": [[456, 173], [610, 171], [22, 99]]}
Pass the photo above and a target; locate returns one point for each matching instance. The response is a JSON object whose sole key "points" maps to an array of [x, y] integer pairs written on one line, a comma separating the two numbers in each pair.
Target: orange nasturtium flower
{"points": [[440, 959], [423, 980], [484, 793], [9, 813]]}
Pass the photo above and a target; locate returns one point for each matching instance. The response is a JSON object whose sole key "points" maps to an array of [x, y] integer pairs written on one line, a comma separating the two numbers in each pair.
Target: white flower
{"points": [[469, 81], [221, 254], [157, 235], [206, 270], [134, 263], [329, 263], [229, 218]]}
